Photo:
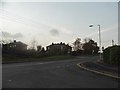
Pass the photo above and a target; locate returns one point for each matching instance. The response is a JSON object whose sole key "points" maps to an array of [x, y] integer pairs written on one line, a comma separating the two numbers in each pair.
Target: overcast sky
{"points": [[48, 22]]}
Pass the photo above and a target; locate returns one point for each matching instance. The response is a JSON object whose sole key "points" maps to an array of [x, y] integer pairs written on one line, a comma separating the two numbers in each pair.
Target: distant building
{"points": [[15, 46], [58, 49]]}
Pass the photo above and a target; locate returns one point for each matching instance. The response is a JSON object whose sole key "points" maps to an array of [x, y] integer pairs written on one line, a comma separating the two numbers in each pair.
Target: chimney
{"points": [[14, 41]]}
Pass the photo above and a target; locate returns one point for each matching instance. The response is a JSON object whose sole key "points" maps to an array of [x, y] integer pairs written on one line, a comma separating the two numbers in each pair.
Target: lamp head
{"points": [[91, 25]]}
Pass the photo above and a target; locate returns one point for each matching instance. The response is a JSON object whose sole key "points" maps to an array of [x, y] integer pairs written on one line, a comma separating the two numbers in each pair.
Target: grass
{"points": [[7, 60]]}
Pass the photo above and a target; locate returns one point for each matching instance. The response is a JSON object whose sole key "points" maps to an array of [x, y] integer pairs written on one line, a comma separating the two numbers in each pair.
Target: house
{"points": [[58, 49], [15, 46]]}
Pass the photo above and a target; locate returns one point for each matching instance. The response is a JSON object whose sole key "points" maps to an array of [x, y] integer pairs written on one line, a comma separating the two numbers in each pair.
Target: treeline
{"points": [[87, 47], [111, 55], [19, 49]]}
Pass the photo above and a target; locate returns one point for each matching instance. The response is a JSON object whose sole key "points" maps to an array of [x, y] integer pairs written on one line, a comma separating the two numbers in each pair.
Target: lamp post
{"points": [[99, 39]]}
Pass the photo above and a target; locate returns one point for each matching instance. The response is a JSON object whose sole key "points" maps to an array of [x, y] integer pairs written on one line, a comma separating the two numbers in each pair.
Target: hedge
{"points": [[111, 55]]}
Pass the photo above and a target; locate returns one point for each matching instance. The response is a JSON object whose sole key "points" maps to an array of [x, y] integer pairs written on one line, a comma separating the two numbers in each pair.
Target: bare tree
{"points": [[77, 44], [33, 44], [5, 38]]}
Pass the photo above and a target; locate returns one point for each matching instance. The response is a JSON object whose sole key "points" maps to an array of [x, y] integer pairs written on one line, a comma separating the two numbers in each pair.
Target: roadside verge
{"points": [[81, 65]]}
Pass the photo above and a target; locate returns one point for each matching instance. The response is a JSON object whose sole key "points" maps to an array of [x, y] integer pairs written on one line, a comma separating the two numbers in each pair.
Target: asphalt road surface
{"points": [[54, 74]]}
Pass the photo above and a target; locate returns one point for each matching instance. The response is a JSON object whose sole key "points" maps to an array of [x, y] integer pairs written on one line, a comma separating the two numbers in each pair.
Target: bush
{"points": [[111, 55]]}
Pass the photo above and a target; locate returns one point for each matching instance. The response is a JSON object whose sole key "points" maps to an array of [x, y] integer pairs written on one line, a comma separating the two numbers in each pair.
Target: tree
{"points": [[86, 40], [39, 48], [33, 45], [5, 37], [77, 44], [90, 47]]}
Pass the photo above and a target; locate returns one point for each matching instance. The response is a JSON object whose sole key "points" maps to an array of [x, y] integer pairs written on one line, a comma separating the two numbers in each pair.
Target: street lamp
{"points": [[99, 39]]}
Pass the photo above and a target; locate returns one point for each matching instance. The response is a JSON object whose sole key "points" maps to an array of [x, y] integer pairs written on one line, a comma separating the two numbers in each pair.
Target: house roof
{"points": [[58, 44], [19, 43]]}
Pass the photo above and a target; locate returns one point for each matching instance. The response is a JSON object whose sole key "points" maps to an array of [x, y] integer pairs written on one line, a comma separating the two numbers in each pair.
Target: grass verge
{"points": [[7, 60]]}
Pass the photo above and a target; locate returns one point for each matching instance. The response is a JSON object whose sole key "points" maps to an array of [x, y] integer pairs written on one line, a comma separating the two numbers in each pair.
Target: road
{"points": [[54, 74]]}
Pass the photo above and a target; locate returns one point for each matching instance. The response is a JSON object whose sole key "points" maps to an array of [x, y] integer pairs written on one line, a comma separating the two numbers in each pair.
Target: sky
{"points": [[47, 22]]}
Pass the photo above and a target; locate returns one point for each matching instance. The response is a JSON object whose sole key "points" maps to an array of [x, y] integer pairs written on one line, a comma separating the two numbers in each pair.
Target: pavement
{"points": [[54, 74], [101, 68]]}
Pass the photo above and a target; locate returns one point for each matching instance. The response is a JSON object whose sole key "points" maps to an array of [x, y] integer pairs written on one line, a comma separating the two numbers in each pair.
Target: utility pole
{"points": [[100, 41]]}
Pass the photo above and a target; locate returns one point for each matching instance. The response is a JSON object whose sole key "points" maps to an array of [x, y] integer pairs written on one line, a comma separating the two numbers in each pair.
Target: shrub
{"points": [[111, 55]]}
